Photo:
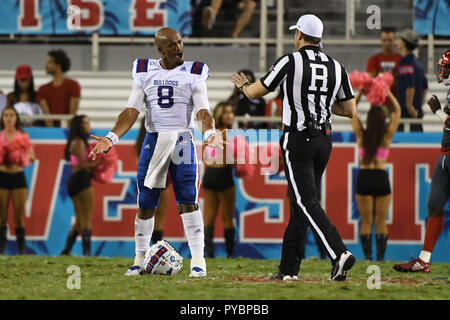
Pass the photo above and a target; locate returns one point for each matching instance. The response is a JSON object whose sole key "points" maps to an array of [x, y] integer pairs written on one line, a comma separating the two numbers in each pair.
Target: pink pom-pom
{"points": [[388, 79], [242, 155], [106, 169], [377, 93], [2, 153], [244, 170], [360, 81], [378, 90], [19, 150]]}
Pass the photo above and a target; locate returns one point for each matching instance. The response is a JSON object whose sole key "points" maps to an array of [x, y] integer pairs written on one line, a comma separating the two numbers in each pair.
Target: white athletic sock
{"points": [[143, 230], [425, 256], [193, 229]]}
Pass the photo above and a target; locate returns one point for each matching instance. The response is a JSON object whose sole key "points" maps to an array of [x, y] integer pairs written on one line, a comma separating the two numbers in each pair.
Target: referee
{"points": [[315, 86]]}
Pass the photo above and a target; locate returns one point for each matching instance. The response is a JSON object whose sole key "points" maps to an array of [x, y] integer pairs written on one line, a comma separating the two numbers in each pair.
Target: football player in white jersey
{"points": [[173, 91]]}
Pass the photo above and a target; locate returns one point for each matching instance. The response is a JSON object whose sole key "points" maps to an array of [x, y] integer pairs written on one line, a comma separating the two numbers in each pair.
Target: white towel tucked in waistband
{"points": [[156, 176]]}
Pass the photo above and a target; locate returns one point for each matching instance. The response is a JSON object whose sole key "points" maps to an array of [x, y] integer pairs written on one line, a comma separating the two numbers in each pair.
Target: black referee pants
{"points": [[305, 157]]}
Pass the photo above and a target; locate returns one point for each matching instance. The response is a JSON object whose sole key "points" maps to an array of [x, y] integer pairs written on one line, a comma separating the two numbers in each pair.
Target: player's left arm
{"points": [[211, 137]]}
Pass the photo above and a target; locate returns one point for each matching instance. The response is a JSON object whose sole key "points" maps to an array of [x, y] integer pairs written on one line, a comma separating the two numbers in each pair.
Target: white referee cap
{"points": [[310, 25]]}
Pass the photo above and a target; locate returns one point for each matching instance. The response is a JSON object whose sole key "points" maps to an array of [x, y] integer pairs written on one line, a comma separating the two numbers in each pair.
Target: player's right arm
{"points": [[124, 122]]}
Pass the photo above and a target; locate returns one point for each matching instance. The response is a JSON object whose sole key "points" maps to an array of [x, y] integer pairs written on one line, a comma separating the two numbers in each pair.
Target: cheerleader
{"points": [[79, 185], [373, 191], [219, 189], [16, 152]]}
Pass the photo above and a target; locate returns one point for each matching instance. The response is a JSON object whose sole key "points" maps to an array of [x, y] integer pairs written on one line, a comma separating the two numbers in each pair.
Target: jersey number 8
{"points": [[165, 94]]}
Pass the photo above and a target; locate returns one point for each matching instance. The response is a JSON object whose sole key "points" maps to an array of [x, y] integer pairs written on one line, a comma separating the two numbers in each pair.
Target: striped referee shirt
{"points": [[311, 82]]}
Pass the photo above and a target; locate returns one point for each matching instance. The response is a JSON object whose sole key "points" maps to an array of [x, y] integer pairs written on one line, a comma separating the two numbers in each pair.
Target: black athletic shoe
{"points": [[341, 266], [279, 276]]}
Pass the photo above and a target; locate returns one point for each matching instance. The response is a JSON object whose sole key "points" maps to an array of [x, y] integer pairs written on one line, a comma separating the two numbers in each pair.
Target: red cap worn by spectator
{"points": [[23, 72]]}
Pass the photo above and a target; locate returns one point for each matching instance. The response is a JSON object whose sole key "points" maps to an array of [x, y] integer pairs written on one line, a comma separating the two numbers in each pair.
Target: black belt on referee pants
{"points": [[324, 128]]}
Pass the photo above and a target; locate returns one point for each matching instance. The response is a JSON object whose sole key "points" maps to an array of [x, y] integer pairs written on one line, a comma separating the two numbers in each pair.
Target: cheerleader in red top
{"points": [[79, 186], [16, 152]]}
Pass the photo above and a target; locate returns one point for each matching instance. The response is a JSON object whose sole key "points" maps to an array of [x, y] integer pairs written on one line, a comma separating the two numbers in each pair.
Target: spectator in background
{"points": [[61, 95], [23, 98], [387, 60], [411, 81], [274, 108], [3, 101], [245, 106], [209, 13]]}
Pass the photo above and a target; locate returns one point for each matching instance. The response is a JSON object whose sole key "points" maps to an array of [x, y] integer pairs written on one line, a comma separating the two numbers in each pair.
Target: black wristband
{"points": [[245, 84]]}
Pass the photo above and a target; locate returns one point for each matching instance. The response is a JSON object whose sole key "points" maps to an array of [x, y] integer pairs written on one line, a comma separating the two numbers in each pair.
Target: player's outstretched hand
{"points": [[103, 146], [217, 140], [434, 104]]}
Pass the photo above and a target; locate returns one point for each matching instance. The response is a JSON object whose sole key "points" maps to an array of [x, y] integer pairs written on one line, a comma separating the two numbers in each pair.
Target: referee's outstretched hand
{"points": [[239, 79]]}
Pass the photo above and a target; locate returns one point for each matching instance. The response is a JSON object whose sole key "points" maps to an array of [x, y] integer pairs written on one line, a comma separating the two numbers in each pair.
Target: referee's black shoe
{"points": [[279, 276], [340, 267]]}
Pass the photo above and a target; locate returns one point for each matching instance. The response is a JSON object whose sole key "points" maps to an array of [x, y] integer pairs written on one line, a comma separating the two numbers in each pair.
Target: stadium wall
{"points": [[261, 212]]}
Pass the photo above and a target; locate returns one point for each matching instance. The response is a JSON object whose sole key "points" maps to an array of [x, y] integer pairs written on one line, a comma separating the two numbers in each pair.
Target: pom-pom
{"points": [[388, 79], [19, 150], [378, 90], [244, 170], [360, 81], [242, 155], [106, 169]]}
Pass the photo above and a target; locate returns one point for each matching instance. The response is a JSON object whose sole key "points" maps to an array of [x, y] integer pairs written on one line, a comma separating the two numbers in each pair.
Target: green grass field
{"points": [[35, 277]]}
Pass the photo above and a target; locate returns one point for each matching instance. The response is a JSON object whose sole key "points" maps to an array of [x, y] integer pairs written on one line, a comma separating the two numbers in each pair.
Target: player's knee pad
{"points": [[148, 200], [433, 212]]}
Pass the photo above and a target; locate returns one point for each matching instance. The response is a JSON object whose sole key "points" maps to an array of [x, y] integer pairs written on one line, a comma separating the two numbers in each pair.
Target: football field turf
{"points": [[36, 277]]}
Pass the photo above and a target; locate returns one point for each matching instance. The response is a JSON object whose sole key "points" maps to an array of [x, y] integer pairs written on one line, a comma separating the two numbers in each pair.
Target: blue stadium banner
{"points": [[432, 17], [107, 17], [261, 209]]}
